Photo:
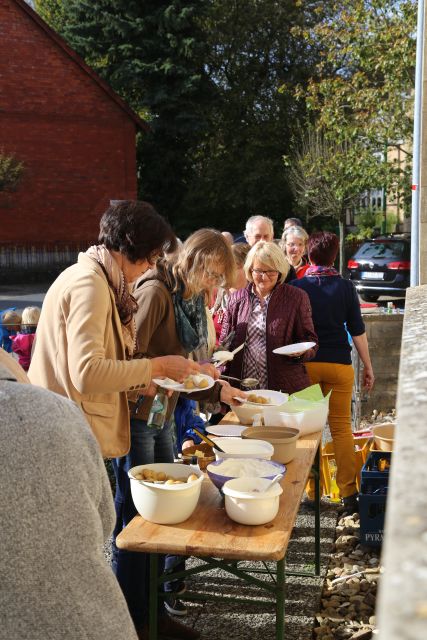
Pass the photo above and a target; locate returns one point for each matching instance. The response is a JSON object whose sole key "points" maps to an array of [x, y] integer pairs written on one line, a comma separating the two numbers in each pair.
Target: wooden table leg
{"points": [[280, 600], [153, 597], [317, 513]]}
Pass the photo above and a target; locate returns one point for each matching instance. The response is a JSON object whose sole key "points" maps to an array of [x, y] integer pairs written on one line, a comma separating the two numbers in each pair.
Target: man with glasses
{"points": [[259, 228]]}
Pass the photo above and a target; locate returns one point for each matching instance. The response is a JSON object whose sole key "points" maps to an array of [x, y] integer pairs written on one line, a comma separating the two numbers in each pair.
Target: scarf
{"points": [[190, 320], [321, 271], [126, 304]]}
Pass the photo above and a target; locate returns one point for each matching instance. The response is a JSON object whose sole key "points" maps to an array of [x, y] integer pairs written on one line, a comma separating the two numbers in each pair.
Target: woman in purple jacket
{"points": [[265, 315]]}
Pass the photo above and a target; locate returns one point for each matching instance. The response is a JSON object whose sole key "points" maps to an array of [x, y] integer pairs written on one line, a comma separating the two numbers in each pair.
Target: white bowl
{"points": [[245, 412], [238, 448], [166, 504], [245, 503], [307, 420]]}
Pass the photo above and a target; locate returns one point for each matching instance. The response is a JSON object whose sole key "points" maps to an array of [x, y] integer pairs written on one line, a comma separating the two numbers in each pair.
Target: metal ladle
{"points": [[249, 383]]}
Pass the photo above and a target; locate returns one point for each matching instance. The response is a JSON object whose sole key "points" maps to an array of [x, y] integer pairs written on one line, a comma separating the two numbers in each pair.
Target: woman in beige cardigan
{"points": [[86, 337]]}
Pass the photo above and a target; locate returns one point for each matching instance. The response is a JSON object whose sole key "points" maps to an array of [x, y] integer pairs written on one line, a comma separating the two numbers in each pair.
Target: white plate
{"points": [[177, 386], [291, 349], [277, 398], [226, 430]]}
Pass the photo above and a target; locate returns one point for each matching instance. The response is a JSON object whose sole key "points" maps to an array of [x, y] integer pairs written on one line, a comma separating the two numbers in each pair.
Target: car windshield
{"points": [[382, 250]]}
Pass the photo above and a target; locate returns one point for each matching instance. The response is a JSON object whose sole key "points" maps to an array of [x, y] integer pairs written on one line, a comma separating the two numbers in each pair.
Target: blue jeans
{"points": [[148, 444]]}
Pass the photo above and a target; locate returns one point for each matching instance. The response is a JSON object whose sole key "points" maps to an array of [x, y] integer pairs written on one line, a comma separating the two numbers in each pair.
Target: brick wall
{"points": [[77, 144]]}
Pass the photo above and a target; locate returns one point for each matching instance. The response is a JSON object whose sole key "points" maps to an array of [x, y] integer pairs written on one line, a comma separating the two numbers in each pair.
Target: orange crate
{"points": [[363, 447]]}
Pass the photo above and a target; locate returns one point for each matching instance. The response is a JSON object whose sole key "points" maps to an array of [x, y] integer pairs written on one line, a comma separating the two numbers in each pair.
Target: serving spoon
{"points": [[250, 383], [208, 440]]}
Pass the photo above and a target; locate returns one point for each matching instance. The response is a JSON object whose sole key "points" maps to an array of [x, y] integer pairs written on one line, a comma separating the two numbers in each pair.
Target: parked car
{"points": [[381, 267]]}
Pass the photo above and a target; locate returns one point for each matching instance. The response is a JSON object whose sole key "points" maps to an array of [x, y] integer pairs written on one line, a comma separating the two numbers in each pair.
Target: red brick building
{"points": [[75, 136]]}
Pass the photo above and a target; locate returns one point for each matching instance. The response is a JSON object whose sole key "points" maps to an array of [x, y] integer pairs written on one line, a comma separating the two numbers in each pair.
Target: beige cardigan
{"points": [[79, 353]]}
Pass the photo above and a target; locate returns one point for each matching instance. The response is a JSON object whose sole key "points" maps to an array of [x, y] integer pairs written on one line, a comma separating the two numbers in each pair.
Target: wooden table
{"points": [[211, 536]]}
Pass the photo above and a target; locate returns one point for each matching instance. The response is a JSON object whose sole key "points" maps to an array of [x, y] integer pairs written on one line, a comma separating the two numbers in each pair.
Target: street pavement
{"points": [[21, 295]]}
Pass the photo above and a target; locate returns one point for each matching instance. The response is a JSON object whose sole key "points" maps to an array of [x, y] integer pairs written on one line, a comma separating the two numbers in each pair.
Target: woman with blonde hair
{"points": [[267, 314], [171, 318], [220, 298], [294, 244]]}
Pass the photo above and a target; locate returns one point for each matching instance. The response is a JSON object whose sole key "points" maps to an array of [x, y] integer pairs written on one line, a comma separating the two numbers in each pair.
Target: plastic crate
{"points": [[363, 447], [372, 513], [372, 479]]}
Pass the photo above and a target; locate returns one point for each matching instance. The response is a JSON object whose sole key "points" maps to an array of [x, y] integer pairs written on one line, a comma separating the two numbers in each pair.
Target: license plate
{"points": [[372, 275]]}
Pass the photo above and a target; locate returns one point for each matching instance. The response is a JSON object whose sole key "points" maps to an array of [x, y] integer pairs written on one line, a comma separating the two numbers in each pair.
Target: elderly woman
{"points": [[267, 314], [171, 318], [336, 310], [86, 336], [294, 244]]}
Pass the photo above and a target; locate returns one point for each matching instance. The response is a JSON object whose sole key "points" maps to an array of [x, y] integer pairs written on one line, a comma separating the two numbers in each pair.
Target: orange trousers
{"points": [[339, 378]]}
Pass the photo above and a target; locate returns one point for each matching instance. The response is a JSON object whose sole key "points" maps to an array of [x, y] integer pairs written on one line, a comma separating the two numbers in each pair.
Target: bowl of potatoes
{"points": [[165, 493]]}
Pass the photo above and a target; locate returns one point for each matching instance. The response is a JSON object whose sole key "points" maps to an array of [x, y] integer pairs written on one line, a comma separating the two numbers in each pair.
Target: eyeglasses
{"points": [[261, 273], [216, 277]]}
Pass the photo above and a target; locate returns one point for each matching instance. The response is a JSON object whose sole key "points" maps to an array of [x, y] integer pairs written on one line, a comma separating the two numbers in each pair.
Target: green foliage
{"points": [[362, 90], [328, 177], [53, 12], [11, 170]]}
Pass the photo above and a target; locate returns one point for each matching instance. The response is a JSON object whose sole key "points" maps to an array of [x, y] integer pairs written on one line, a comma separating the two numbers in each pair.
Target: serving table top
{"points": [[210, 532]]}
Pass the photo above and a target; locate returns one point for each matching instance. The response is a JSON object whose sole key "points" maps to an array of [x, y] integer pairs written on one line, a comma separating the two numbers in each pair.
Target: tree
{"points": [[252, 53], [11, 170], [53, 12], [361, 93], [328, 177]]}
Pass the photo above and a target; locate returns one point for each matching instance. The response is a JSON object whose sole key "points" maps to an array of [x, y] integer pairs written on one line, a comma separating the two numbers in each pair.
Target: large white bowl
{"points": [[307, 420], [166, 504], [218, 477], [238, 448], [245, 503], [245, 412]]}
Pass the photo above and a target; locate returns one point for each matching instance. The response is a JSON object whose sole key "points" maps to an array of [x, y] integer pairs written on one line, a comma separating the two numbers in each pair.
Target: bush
{"points": [[11, 171]]}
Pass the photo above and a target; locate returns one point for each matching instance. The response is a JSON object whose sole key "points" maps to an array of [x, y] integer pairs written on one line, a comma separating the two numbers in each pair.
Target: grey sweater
{"points": [[56, 511]]}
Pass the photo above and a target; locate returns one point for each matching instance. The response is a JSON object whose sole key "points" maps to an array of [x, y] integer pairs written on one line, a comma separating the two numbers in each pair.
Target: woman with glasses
{"points": [[267, 314], [294, 244], [171, 319]]}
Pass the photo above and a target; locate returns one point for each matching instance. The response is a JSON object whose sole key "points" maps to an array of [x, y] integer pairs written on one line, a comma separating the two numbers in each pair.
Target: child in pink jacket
{"points": [[22, 343]]}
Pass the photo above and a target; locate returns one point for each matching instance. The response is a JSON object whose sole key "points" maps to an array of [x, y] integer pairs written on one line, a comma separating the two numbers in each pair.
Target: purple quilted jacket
{"points": [[288, 321]]}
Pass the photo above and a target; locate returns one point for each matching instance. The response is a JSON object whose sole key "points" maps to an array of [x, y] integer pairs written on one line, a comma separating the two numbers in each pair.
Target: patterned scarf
{"points": [[126, 304], [190, 320], [321, 271]]}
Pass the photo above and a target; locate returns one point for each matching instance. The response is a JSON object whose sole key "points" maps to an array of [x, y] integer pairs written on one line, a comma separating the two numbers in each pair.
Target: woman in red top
{"points": [[294, 244]]}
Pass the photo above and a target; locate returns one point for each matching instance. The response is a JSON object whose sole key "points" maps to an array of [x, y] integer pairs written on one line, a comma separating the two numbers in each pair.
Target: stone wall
{"points": [[402, 607], [384, 333]]}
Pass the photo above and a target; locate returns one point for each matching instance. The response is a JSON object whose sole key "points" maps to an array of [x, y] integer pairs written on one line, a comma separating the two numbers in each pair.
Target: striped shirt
{"points": [[255, 357]]}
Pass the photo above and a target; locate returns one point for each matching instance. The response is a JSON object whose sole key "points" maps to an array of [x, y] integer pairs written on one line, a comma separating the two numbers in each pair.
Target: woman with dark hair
{"points": [[336, 310], [86, 338]]}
